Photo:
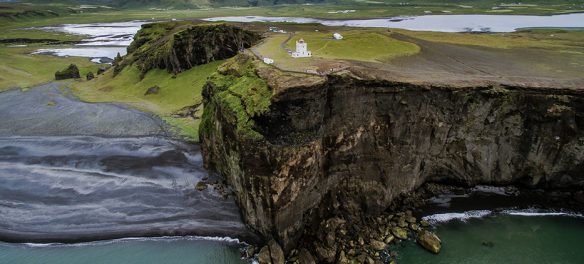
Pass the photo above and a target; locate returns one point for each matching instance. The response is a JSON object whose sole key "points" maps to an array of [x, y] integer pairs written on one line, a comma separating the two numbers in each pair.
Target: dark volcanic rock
{"points": [[429, 241], [90, 76], [271, 254], [152, 90], [178, 46], [264, 256], [201, 186], [305, 257], [579, 197], [71, 72], [276, 252], [341, 143], [188, 111]]}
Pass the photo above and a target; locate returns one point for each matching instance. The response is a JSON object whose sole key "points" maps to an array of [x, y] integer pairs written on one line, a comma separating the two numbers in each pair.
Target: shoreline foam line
{"points": [[464, 216], [226, 240]]}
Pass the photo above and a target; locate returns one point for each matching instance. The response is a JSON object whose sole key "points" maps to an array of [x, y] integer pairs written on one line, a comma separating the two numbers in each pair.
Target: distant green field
{"points": [[360, 45], [19, 69], [560, 40], [51, 14], [370, 45]]}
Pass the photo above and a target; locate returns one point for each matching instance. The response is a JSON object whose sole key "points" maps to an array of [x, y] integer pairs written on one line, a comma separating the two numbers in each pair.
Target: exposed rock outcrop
{"points": [[271, 254], [71, 72], [429, 241], [179, 46], [298, 147], [305, 257], [89, 76], [152, 90]]}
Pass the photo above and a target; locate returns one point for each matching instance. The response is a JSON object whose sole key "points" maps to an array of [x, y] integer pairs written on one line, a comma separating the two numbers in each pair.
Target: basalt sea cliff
{"points": [[299, 148]]}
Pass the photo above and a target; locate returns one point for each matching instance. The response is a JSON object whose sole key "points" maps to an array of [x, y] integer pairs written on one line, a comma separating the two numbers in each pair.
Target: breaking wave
{"points": [[227, 240], [464, 216]]}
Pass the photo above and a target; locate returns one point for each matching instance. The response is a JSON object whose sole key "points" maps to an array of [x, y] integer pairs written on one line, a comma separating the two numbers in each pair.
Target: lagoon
{"points": [[439, 23], [105, 40]]}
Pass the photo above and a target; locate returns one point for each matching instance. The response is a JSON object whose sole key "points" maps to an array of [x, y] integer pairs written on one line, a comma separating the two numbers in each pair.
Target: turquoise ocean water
{"points": [[503, 239]]}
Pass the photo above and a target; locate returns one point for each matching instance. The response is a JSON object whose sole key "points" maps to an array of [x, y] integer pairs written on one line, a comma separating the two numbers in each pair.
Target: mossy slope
{"points": [[177, 58], [239, 94], [177, 92]]}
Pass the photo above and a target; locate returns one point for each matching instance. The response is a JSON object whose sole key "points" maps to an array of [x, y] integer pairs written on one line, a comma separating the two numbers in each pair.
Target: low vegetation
{"points": [[71, 72], [175, 93]]}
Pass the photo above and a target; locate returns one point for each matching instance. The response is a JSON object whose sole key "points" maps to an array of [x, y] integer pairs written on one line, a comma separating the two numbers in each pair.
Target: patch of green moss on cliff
{"points": [[206, 126], [240, 94]]}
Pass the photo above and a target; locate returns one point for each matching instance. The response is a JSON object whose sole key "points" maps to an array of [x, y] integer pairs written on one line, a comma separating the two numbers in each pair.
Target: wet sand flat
{"points": [[72, 171], [49, 110]]}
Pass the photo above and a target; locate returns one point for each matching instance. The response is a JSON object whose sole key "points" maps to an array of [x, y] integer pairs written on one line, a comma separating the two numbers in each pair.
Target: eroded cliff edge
{"points": [[294, 145]]}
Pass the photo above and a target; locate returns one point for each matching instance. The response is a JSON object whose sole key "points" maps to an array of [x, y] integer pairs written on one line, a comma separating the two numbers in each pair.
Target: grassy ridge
{"points": [[177, 46], [175, 93]]}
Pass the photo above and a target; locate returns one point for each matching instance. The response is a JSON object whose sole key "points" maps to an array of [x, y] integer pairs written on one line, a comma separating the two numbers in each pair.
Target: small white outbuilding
{"points": [[337, 36]]}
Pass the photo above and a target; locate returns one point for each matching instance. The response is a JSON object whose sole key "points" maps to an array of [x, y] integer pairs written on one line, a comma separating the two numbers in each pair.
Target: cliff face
{"points": [[179, 46], [347, 143]]}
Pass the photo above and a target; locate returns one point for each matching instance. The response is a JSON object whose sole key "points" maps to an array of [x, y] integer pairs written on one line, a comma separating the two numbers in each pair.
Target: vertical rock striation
{"points": [[293, 145]]}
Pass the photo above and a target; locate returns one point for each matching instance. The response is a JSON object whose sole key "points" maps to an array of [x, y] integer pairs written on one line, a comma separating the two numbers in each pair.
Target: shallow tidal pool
{"points": [[503, 239], [128, 251]]}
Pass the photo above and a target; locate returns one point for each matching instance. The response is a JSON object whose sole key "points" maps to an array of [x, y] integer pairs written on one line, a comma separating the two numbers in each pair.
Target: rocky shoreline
{"points": [[351, 237]]}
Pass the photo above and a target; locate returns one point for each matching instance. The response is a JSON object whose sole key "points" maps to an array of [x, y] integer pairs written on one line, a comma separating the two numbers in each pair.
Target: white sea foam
{"points": [[464, 216], [228, 240], [490, 189], [39, 245], [536, 212]]}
